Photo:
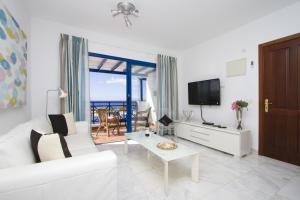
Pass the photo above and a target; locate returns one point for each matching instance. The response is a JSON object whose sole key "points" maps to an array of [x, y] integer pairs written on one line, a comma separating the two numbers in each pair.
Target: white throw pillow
{"points": [[63, 124], [47, 147]]}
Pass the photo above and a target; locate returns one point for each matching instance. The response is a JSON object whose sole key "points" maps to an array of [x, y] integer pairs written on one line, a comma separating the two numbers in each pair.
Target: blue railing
{"points": [[110, 105]]}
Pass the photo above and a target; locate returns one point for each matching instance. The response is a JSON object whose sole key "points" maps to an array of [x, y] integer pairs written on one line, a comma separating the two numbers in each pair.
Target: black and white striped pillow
{"points": [[47, 147], [63, 124]]}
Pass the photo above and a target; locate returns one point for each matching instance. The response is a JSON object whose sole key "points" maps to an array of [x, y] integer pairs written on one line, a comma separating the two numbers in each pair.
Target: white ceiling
{"points": [[173, 24]]}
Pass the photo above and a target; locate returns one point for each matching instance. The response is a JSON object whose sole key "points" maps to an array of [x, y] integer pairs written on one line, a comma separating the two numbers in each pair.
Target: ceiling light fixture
{"points": [[127, 9]]}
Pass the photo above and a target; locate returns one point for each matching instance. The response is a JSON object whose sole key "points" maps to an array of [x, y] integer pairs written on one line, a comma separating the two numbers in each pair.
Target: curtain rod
{"points": [[124, 48]]}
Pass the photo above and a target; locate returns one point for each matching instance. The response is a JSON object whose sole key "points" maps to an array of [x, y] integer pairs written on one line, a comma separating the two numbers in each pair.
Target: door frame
{"points": [[261, 84], [128, 73]]}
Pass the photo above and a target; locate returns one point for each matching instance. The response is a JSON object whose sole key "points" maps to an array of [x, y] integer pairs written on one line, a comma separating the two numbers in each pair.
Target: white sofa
{"points": [[87, 175]]}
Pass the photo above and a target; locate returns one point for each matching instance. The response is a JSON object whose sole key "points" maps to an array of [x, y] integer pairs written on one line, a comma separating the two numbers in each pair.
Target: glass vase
{"points": [[239, 117]]}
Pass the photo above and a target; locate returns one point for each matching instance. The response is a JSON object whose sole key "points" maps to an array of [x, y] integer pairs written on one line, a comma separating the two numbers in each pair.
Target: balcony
{"points": [[111, 106], [113, 80]]}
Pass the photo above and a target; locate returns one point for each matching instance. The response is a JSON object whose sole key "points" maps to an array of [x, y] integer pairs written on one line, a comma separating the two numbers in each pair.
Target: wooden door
{"points": [[280, 99]]}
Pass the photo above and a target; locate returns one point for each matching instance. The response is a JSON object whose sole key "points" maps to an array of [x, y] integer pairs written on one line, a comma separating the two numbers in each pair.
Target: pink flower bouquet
{"points": [[237, 105]]}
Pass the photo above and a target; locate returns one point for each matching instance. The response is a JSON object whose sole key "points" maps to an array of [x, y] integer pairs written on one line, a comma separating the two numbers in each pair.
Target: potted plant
{"points": [[238, 106]]}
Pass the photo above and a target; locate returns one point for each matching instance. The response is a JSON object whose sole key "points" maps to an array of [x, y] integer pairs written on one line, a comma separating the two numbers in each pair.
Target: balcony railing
{"points": [[110, 105]]}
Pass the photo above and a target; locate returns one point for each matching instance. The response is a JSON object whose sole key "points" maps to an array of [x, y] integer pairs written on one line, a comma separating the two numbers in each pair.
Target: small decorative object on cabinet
{"points": [[167, 145], [187, 114], [238, 107]]}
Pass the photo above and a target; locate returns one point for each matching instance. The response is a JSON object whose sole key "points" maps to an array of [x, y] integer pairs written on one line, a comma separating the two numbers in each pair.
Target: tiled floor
{"points": [[102, 138], [222, 177]]}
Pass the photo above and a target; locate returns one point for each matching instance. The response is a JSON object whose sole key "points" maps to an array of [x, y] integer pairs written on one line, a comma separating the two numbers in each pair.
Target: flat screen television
{"points": [[204, 92]]}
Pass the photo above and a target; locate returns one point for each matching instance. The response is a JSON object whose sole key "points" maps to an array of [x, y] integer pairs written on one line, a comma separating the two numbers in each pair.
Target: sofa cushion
{"points": [[63, 124], [82, 142], [15, 147], [50, 146], [83, 151]]}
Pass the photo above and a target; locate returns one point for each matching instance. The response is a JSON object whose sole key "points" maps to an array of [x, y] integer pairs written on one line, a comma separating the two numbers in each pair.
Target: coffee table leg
{"points": [[166, 176], [195, 168], [126, 145]]}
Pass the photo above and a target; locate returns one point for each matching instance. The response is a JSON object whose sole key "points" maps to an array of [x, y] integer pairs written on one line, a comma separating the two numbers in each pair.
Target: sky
{"points": [[111, 87]]}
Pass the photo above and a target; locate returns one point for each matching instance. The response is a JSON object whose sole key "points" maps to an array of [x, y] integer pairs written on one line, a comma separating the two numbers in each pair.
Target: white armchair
{"points": [[89, 174]]}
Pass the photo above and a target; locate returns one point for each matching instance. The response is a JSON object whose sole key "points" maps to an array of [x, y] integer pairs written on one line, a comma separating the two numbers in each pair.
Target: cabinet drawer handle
{"points": [[195, 131], [206, 140]]}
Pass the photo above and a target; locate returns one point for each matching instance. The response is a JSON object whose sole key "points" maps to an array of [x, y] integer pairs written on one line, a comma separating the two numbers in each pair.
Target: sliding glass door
{"points": [[143, 79], [137, 76]]}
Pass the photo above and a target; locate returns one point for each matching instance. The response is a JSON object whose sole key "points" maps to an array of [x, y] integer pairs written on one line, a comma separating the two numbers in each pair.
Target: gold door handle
{"points": [[267, 103]]}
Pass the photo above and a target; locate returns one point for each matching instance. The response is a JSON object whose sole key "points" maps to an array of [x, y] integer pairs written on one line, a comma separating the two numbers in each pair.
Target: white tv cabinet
{"points": [[229, 140]]}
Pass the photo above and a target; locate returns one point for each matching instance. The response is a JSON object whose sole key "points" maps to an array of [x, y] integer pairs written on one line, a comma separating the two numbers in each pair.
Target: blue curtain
{"points": [[74, 72]]}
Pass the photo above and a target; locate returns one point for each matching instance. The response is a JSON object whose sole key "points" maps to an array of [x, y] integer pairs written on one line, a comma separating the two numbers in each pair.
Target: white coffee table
{"points": [[166, 155]]}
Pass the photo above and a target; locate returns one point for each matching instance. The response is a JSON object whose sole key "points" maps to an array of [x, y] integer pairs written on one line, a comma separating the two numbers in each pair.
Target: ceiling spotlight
{"points": [[127, 9]]}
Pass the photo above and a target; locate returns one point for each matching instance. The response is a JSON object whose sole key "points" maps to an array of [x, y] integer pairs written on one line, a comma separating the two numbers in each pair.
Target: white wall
{"points": [[151, 95], [208, 60], [45, 57], [11, 117]]}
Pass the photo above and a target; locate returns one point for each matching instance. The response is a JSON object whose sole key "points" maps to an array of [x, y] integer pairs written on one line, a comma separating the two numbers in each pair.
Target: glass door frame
{"points": [[128, 73]]}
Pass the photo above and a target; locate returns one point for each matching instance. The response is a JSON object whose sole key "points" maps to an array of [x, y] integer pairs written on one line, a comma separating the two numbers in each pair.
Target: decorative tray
{"points": [[166, 145]]}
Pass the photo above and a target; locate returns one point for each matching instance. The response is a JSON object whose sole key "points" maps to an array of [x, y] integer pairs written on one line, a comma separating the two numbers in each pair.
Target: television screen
{"points": [[204, 92]]}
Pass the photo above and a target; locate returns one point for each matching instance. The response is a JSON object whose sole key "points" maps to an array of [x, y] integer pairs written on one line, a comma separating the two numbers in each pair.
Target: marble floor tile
{"points": [[221, 176], [228, 195], [292, 189], [218, 174], [278, 197]]}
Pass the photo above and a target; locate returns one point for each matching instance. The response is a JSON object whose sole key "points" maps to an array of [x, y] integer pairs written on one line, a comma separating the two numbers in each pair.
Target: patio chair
{"points": [[107, 120], [142, 118], [122, 115]]}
